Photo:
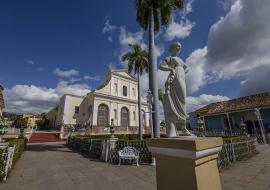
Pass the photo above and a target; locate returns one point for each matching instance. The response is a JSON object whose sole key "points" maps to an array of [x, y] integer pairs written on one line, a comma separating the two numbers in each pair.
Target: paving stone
{"points": [[53, 166]]}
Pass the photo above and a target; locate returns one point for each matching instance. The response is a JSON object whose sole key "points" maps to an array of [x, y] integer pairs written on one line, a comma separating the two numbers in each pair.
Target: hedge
{"points": [[119, 136]]}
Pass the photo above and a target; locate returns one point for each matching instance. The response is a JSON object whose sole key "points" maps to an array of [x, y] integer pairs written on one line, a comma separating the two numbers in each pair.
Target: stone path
{"points": [[53, 166], [252, 174]]}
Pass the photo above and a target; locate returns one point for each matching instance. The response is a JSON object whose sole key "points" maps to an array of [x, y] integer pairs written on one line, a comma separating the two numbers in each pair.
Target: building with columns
{"points": [[115, 99], [253, 110]]}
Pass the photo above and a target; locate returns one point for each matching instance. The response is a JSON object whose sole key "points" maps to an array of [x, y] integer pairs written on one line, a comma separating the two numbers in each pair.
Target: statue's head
{"points": [[175, 48]]}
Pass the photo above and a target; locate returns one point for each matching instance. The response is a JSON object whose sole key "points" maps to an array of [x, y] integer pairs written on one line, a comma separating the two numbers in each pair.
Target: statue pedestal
{"points": [[186, 162]]}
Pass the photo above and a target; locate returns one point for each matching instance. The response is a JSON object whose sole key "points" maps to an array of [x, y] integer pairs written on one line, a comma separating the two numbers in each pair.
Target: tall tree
{"points": [[137, 60], [151, 15]]}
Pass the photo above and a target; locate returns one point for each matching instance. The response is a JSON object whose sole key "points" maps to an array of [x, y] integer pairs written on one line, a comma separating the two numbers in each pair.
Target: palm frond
{"points": [[163, 10], [137, 59]]}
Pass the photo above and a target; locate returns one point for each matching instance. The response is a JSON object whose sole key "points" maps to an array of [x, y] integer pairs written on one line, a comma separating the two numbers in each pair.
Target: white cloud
{"points": [[86, 77], [256, 82], [112, 66], [196, 76], [188, 7], [180, 30], [126, 38], [30, 62], [226, 4], [110, 38], [108, 27], [36, 99], [237, 44], [65, 73], [40, 69], [194, 103], [180, 26], [65, 87]]}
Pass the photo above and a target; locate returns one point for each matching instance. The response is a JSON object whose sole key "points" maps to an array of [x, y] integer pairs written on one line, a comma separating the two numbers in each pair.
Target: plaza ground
{"points": [[54, 166]]}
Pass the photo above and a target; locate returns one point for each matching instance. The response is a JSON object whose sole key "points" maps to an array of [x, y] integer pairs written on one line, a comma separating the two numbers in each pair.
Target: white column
{"points": [[95, 110]]}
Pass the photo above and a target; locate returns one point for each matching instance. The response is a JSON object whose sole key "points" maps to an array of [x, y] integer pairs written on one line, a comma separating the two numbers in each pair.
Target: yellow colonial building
{"points": [[27, 120]]}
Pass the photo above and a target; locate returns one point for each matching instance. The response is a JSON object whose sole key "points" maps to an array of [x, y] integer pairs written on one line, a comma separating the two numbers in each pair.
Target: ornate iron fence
{"points": [[228, 133], [259, 138], [101, 149], [235, 151], [6, 160], [90, 147]]}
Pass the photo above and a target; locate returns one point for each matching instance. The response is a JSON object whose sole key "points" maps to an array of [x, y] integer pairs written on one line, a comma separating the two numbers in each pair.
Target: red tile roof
{"points": [[238, 104]]}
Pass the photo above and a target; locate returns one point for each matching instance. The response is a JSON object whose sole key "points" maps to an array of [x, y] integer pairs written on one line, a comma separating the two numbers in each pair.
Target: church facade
{"points": [[115, 99]]}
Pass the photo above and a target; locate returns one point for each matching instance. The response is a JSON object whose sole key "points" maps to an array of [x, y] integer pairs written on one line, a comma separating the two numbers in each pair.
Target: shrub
{"points": [[237, 139]]}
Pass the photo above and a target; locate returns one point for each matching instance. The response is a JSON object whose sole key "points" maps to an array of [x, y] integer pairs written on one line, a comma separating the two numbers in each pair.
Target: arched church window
{"points": [[124, 90], [103, 115], [133, 92], [115, 114], [134, 116], [115, 87]]}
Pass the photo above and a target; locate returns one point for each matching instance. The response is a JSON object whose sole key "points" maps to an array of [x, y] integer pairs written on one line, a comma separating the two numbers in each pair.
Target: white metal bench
{"points": [[129, 153]]}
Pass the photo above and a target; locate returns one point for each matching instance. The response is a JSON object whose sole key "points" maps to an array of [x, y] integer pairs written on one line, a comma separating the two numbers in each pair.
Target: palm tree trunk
{"points": [[152, 75], [139, 107]]}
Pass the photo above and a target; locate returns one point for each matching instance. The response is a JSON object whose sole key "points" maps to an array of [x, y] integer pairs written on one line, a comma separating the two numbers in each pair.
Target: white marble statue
{"points": [[174, 98]]}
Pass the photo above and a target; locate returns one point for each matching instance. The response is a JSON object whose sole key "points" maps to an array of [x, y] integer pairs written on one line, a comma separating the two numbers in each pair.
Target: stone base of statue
{"points": [[186, 162]]}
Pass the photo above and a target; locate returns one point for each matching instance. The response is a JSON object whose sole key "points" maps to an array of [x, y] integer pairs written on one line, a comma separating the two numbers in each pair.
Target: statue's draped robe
{"points": [[174, 98]]}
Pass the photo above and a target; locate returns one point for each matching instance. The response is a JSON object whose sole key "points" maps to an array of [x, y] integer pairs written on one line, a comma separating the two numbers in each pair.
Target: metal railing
{"points": [[227, 133], [90, 147], [235, 151], [231, 151], [6, 160]]}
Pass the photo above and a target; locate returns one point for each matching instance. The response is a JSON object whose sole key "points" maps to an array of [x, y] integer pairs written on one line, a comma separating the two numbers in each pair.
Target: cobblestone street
{"points": [[54, 166]]}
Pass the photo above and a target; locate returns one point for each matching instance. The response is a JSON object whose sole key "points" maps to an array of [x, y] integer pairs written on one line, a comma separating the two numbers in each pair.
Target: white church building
{"points": [[115, 99]]}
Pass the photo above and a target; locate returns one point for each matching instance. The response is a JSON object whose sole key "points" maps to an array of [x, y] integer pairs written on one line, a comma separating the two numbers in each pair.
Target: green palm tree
{"points": [[137, 60], [151, 15]]}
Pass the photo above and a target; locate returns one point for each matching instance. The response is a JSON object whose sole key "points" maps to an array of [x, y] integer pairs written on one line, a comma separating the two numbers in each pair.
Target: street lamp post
{"points": [[150, 111]]}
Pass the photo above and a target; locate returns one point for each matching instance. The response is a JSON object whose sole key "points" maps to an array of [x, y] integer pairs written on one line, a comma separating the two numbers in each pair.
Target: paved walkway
{"points": [[252, 174], [55, 167]]}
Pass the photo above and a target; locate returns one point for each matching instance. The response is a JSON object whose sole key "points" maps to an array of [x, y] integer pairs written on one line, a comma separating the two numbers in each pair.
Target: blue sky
{"points": [[53, 47]]}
